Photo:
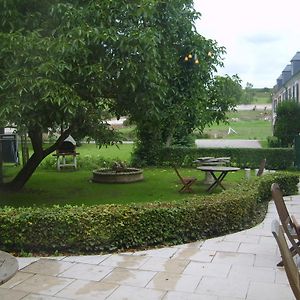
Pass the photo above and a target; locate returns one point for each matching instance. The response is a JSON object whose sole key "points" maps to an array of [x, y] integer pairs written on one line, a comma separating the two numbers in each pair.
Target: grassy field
{"points": [[120, 152], [75, 188], [261, 97], [247, 124], [48, 187]]}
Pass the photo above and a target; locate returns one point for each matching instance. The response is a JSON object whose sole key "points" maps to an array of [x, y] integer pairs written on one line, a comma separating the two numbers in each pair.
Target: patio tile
{"points": [[174, 282], [137, 278], [229, 298], [263, 260], [87, 259], [220, 245], [196, 244], [260, 231], [242, 238], [216, 239], [42, 297], [124, 261], [18, 278], [187, 296], [43, 284], [268, 241], [47, 267], [87, 272], [195, 254], [160, 264], [280, 276], [53, 257], [162, 252], [25, 261], [258, 249], [269, 291], [250, 273], [223, 287], [207, 269], [87, 290], [135, 293], [7, 294], [233, 258]]}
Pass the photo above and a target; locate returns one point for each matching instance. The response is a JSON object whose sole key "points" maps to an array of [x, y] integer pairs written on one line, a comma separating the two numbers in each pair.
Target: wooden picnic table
{"points": [[223, 170], [211, 161]]}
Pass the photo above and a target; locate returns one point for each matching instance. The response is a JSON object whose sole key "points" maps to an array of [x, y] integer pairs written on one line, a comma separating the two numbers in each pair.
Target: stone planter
{"points": [[110, 176]]}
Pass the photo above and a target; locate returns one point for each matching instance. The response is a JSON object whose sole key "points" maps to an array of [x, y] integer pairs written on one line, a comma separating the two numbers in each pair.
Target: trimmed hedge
{"points": [[277, 158], [93, 229]]}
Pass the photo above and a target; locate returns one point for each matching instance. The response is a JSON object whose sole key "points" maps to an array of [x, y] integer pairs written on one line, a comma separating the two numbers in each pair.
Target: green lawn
{"points": [[75, 188], [261, 97], [48, 187], [247, 124], [121, 152]]}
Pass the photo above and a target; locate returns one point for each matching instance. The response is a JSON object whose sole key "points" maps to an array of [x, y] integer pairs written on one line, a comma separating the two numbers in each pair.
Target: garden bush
{"points": [[277, 158], [106, 228], [84, 162]]}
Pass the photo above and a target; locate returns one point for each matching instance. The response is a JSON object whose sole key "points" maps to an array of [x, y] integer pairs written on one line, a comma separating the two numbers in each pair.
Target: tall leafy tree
{"points": [[64, 64]]}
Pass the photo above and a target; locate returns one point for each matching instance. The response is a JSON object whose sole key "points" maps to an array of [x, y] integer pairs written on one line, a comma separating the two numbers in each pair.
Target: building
{"points": [[287, 86]]}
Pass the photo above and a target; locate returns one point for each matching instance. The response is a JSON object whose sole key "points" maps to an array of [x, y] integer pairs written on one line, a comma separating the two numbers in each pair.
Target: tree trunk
{"points": [[25, 173], [36, 158]]}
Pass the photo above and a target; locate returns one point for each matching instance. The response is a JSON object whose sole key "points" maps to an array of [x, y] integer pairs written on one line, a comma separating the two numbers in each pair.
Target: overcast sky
{"points": [[260, 36]]}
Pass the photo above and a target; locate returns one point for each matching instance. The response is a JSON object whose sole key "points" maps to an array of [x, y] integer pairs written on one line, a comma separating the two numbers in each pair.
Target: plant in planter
{"points": [[119, 166], [117, 173]]}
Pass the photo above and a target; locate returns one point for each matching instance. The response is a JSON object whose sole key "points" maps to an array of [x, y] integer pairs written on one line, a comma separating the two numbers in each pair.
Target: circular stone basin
{"points": [[127, 175]]}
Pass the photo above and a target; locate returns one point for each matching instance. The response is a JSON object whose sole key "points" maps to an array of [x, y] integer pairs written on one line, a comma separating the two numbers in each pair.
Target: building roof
{"points": [[288, 68], [296, 56]]}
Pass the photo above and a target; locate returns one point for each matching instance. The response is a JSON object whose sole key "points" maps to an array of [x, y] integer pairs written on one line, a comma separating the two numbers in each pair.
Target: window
{"points": [[289, 93]]}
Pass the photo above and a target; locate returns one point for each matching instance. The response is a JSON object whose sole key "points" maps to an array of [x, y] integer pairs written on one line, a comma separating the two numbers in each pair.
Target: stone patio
{"points": [[232, 267]]}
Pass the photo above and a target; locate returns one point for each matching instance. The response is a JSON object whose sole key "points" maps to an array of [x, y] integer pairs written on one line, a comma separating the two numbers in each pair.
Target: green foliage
{"points": [[287, 124], [84, 162], [248, 94], [68, 65], [273, 142], [287, 182], [82, 229], [227, 87], [277, 158]]}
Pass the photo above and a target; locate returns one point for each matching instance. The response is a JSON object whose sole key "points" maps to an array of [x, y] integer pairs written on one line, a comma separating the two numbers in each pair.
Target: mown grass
{"points": [[115, 152], [261, 97], [75, 188], [48, 187], [248, 125]]}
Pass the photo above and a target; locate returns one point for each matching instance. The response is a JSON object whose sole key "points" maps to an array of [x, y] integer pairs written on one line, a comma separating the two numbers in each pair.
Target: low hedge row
{"points": [[277, 158], [93, 229]]}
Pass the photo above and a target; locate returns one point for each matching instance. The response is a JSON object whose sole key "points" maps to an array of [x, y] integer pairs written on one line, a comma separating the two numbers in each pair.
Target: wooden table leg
{"points": [[218, 181]]}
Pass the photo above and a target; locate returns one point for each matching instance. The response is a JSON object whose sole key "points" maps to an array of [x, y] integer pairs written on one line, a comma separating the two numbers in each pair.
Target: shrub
{"points": [[91, 229], [287, 122], [84, 162], [273, 142], [277, 158]]}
